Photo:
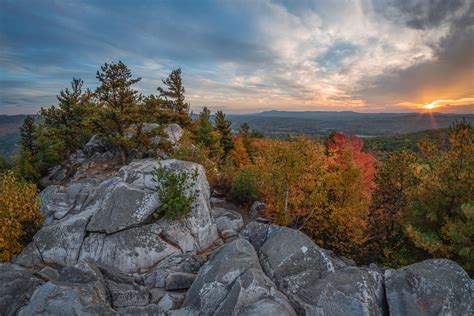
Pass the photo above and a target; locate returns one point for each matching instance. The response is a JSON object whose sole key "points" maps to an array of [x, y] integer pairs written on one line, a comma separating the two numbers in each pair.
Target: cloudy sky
{"points": [[248, 56]]}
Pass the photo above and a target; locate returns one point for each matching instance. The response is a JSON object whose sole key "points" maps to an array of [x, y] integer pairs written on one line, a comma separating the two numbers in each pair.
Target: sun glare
{"points": [[428, 106]]}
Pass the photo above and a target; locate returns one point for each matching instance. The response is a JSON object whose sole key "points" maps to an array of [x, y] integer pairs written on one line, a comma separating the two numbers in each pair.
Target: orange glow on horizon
{"points": [[440, 104]]}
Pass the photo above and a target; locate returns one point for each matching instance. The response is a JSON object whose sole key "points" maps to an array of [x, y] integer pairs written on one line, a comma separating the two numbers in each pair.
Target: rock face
{"points": [[314, 282], [109, 222], [102, 252], [431, 287]]}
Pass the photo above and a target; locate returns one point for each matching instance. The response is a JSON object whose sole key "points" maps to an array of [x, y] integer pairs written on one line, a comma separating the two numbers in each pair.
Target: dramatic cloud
{"points": [[244, 56]]}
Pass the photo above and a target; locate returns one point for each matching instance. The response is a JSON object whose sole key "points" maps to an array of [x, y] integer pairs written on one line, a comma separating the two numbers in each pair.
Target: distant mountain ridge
{"points": [[321, 123]]}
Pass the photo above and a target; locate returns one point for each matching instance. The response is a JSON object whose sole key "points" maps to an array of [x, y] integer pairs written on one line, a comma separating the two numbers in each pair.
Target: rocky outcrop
{"points": [[101, 251], [109, 222]]}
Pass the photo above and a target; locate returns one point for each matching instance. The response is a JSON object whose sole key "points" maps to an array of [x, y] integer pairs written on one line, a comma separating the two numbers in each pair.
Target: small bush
{"points": [[175, 191], [19, 214], [244, 188]]}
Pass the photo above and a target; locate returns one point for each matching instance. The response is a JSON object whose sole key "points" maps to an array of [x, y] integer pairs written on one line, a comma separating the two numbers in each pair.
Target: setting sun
{"points": [[429, 106]]}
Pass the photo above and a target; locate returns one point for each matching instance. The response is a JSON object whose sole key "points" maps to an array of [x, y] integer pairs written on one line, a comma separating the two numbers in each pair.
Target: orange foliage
{"points": [[326, 195], [340, 146], [19, 214], [239, 154]]}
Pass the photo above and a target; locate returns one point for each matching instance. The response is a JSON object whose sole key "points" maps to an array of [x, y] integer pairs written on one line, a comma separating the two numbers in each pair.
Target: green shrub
{"points": [[175, 191], [244, 187]]}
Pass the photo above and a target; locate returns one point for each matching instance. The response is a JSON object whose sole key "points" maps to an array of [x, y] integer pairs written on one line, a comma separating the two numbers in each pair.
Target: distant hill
{"points": [[320, 124]]}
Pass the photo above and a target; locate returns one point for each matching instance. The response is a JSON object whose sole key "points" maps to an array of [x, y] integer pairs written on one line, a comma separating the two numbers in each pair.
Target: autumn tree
{"points": [[441, 214], [349, 186], [67, 121], [19, 214], [246, 135], [238, 153], [174, 99], [118, 106], [286, 171], [223, 127]]}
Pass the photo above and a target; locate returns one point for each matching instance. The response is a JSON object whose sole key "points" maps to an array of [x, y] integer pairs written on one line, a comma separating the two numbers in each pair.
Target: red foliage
{"points": [[348, 150]]}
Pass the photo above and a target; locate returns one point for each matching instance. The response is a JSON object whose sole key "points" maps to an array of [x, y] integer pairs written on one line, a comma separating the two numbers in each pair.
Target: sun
{"points": [[428, 106]]}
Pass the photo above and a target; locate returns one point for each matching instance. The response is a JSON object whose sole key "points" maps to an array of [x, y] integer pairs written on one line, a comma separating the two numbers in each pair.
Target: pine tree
{"points": [[223, 127], [118, 106], [205, 133], [27, 135], [67, 121], [441, 213], [173, 94], [25, 164], [395, 181]]}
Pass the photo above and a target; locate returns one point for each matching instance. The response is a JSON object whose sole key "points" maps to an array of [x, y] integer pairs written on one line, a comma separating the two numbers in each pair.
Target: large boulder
{"points": [[16, 287], [233, 283], [348, 291], [430, 287], [287, 252], [315, 281]]}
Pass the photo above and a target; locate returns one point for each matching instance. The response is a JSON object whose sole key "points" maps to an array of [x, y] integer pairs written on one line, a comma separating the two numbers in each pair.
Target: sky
{"points": [[247, 56]]}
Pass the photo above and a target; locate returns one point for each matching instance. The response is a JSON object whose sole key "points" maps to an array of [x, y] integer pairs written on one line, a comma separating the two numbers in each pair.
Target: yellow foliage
{"points": [[239, 154], [302, 187], [19, 214]]}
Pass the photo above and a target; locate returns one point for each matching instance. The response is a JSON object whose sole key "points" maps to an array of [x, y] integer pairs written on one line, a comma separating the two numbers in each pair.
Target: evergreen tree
{"points": [[67, 120], [223, 127], [118, 106], [173, 94], [27, 135], [441, 214], [205, 133], [395, 181], [25, 164]]}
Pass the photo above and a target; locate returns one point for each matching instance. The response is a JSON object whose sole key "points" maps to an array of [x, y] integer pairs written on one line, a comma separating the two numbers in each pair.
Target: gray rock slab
{"points": [[430, 287]]}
